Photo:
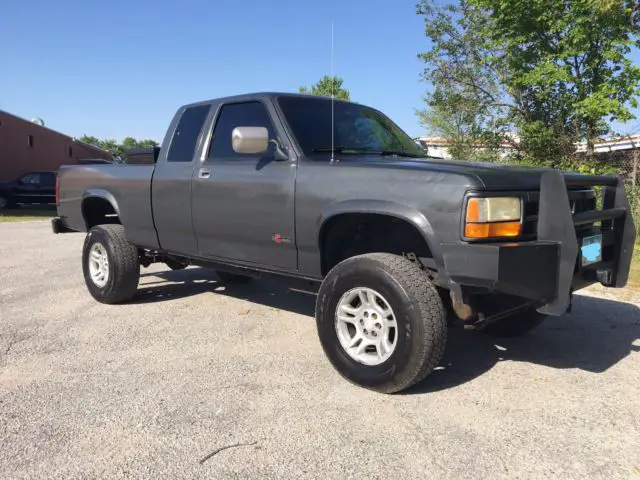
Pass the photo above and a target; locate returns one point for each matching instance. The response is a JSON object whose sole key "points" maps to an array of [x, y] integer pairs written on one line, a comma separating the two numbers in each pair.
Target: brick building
{"points": [[27, 146]]}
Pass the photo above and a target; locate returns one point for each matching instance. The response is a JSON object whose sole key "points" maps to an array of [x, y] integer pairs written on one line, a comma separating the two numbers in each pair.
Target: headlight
{"points": [[493, 217]]}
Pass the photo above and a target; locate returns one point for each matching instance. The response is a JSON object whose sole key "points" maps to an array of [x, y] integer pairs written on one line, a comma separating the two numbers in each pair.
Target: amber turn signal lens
{"points": [[491, 230], [473, 210]]}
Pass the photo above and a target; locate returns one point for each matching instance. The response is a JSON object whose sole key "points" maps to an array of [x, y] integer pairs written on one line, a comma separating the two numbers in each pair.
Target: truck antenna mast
{"points": [[332, 99]]}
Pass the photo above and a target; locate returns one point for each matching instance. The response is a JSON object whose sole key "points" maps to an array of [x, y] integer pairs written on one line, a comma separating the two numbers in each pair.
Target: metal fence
{"points": [[626, 163]]}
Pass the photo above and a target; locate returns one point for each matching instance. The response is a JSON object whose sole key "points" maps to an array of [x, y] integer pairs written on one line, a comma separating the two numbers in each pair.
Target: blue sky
{"points": [[121, 68]]}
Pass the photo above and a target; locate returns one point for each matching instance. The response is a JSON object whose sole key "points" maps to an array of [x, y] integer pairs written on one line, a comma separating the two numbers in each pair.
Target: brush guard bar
{"points": [[556, 224]]}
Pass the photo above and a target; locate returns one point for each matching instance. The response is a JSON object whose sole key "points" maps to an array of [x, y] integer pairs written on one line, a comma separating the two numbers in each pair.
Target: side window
{"points": [[232, 115], [30, 179], [186, 135]]}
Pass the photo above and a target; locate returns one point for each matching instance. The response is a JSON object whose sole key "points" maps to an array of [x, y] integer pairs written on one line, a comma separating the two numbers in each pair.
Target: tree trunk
{"points": [[591, 148]]}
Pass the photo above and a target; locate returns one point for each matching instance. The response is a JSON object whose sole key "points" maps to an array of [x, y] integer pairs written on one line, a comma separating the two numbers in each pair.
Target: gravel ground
{"points": [[153, 388]]}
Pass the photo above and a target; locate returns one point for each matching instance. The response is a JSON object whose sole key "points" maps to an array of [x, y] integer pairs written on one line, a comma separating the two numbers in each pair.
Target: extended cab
{"points": [[334, 197]]}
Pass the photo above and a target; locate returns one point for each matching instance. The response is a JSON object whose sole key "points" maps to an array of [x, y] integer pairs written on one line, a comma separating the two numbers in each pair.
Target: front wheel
{"points": [[381, 322], [111, 265], [6, 202]]}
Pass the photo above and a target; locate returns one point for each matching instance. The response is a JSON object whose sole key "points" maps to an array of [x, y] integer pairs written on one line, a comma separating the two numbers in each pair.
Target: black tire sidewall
{"points": [[409, 333], [173, 265], [107, 293], [9, 202]]}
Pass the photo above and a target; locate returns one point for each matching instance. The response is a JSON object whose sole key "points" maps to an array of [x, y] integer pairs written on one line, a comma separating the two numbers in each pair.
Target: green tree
{"points": [[554, 71], [118, 150], [468, 104], [326, 87]]}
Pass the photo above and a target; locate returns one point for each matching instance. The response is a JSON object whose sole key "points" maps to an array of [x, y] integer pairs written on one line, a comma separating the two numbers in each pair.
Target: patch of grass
{"points": [[25, 213], [634, 273]]}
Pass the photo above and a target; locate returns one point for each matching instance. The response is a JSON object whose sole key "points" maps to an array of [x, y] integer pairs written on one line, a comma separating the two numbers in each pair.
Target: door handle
{"points": [[204, 173]]}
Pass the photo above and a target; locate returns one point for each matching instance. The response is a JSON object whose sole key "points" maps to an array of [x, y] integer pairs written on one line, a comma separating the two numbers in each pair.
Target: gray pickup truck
{"points": [[334, 198]]}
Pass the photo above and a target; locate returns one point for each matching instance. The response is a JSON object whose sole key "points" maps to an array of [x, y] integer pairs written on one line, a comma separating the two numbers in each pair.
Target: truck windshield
{"points": [[357, 129]]}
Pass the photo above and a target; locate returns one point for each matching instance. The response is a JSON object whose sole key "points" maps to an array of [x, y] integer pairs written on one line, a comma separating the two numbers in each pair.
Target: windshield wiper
{"points": [[360, 150], [343, 149], [397, 153]]}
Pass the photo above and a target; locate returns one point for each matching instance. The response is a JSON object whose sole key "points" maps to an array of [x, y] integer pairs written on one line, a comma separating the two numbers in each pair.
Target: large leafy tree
{"points": [[469, 103], [554, 71], [326, 87]]}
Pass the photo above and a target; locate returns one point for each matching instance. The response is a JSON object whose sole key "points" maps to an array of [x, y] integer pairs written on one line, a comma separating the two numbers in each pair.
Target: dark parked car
{"points": [[30, 188], [333, 197]]}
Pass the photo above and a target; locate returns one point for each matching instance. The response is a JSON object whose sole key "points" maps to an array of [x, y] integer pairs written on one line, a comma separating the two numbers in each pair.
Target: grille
{"points": [[581, 200]]}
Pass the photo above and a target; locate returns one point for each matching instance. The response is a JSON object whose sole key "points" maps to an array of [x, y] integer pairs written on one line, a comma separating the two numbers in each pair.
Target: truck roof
{"points": [[263, 95]]}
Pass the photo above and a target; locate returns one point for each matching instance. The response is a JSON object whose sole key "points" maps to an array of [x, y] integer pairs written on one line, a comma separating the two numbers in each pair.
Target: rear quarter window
{"points": [[186, 135]]}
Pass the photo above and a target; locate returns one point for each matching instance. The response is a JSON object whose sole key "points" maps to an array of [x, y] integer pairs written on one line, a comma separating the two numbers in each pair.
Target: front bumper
{"points": [[548, 270]]}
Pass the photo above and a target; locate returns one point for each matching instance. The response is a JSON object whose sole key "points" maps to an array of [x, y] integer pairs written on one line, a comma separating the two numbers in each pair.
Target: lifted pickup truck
{"points": [[336, 199]]}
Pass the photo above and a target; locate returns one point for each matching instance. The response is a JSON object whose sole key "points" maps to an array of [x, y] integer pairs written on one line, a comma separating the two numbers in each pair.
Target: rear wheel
{"points": [[111, 265], [515, 325], [381, 322], [175, 265], [6, 202], [229, 278]]}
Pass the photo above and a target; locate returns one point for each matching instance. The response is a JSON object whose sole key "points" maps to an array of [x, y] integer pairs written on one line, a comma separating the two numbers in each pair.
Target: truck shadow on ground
{"points": [[597, 335], [171, 285]]}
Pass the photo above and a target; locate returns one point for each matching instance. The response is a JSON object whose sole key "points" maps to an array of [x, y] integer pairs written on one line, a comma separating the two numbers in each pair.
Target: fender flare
{"points": [[383, 207], [104, 195]]}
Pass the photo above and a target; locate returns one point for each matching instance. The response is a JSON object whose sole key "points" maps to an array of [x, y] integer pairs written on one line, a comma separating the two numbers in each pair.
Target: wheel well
{"points": [[98, 211], [353, 234]]}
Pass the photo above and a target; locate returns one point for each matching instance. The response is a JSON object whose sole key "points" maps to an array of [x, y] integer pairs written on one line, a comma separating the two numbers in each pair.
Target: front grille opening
{"points": [[580, 200]]}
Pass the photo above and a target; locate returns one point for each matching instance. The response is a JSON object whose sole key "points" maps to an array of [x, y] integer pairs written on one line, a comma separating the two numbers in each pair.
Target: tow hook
{"points": [[604, 276]]}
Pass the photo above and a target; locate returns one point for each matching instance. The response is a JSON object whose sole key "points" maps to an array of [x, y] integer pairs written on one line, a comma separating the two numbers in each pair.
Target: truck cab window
{"points": [[184, 139], [30, 179], [247, 114]]}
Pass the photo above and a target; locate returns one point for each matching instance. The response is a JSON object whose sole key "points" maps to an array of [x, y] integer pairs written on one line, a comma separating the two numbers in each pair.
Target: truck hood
{"points": [[490, 176]]}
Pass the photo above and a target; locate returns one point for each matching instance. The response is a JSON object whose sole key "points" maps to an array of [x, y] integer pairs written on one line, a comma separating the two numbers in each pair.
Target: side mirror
{"points": [[250, 140]]}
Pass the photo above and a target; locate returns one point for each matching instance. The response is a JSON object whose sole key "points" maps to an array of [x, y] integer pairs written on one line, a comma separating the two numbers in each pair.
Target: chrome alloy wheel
{"points": [[366, 326], [99, 265]]}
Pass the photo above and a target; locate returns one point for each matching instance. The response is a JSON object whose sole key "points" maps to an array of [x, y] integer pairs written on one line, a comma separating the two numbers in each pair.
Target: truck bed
{"points": [[128, 187]]}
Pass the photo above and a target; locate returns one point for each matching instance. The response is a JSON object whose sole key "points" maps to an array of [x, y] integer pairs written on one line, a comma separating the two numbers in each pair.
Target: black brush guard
{"points": [[547, 270], [556, 224]]}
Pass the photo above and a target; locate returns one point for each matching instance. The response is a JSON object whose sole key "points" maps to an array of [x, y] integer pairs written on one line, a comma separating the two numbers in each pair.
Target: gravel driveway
{"points": [[157, 388]]}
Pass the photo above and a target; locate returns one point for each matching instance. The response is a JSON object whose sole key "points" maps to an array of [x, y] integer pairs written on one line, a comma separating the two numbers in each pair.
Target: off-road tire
{"points": [[233, 278], [419, 313], [175, 265], [8, 203], [515, 325], [124, 264]]}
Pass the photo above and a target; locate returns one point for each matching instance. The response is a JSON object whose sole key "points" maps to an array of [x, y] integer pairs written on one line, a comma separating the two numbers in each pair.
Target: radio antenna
{"points": [[332, 98]]}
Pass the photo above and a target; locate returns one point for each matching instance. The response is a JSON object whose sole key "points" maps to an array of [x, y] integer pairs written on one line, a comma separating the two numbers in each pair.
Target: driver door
{"points": [[243, 204], [27, 188]]}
